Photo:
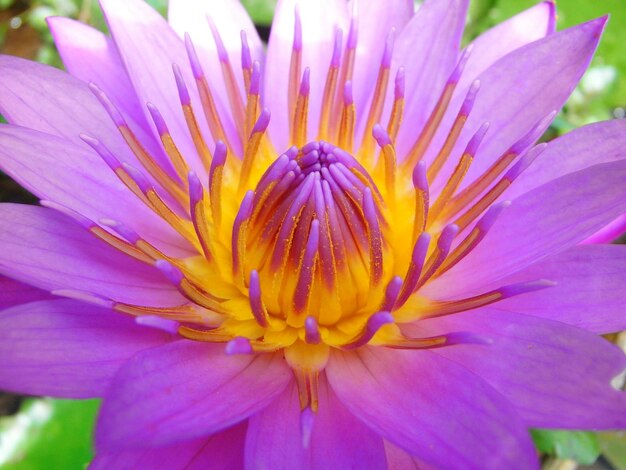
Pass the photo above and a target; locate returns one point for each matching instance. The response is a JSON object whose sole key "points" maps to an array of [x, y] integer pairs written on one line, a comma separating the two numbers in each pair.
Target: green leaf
{"points": [[581, 446], [261, 11], [613, 446], [48, 433]]}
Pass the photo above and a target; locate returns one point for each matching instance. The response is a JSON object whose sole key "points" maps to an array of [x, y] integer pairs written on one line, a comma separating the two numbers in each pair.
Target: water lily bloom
{"points": [[345, 251]]}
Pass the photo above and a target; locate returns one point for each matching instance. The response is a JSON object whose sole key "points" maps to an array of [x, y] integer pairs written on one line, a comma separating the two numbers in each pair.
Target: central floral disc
{"points": [[314, 236]]}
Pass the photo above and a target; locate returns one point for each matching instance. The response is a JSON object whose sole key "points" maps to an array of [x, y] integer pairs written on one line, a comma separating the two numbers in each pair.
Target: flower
{"points": [[348, 252]]}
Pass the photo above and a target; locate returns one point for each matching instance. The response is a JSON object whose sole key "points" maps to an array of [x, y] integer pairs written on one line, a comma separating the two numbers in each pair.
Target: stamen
{"points": [[397, 111], [391, 293], [464, 198], [455, 132], [216, 174], [295, 66], [240, 228], [206, 96], [375, 238], [422, 198], [389, 159], [441, 308], [432, 124], [374, 323], [307, 269], [254, 90], [228, 74], [301, 111], [307, 420], [154, 321], [199, 217], [179, 162], [252, 147], [239, 345], [190, 118], [347, 69], [441, 252], [450, 339], [246, 60], [474, 237], [330, 86], [414, 271], [256, 302], [346, 123], [378, 100]]}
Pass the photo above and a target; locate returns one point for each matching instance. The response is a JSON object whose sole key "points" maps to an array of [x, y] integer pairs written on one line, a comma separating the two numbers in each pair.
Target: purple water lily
{"points": [[345, 252]]}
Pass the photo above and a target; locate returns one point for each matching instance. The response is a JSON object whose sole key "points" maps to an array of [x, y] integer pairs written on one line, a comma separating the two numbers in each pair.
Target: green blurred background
{"points": [[42, 433]]}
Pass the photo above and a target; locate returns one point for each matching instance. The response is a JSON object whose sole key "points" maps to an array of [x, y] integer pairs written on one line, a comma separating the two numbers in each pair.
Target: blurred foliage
{"points": [[46, 433], [57, 433]]}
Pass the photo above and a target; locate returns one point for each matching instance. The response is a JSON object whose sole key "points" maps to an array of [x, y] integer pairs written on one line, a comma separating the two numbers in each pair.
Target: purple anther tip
{"points": [[470, 98], [374, 323], [398, 89], [196, 190], [154, 321], [171, 272], [102, 151], [239, 345], [348, 99], [525, 287], [534, 134], [310, 147], [292, 152], [157, 118], [307, 421], [222, 54], [139, 178], [220, 153], [262, 122], [388, 52], [255, 284], [392, 292], [297, 30], [420, 181], [491, 215], [196, 68], [525, 162], [311, 331], [369, 208], [420, 250], [183, 92], [335, 61], [476, 140], [108, 105], [245, 209], [255, 78], [447, 236], [84, 296], [305, 84], [246, 58], [458, 70], [381, 135], [124, 231]]}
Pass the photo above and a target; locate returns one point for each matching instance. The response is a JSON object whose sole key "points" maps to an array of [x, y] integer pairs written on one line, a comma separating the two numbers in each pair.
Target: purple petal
{"points": [[57, 170], [589, 290], [13, 293], [148, 48], [46, 99], [46, 249], [428, 49], [544, 221], [186, 390], [338, 439], [533, 81], [609, 233], [67, 348], [221, 451], [538, 365], [524, 28], [91, 56], [397, 458], [318, 38], [432, 408]]}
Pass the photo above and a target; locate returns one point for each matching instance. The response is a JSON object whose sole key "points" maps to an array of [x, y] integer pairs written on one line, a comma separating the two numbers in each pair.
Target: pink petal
{"points": [[318, 38], [432, 408], [538, 364], [50, 251], [67, 348], [186, 390], [221, 451], [338, 439]]}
